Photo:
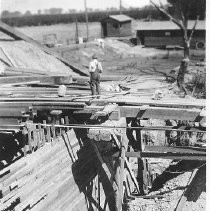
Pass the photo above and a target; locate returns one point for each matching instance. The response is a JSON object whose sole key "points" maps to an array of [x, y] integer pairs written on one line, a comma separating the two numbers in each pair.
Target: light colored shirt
{"points": [[94, 64]]}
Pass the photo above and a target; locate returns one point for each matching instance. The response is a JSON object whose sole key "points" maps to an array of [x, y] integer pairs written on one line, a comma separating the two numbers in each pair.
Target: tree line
{"points": [[55, 16], [50, 19]]}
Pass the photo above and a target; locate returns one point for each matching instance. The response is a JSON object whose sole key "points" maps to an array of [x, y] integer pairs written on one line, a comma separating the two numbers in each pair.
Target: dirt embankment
{"points": [[119, 58], [26, 55]]}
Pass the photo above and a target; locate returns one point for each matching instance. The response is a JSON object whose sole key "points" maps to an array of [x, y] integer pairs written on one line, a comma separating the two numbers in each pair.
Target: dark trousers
{"points": [[95, 87]]}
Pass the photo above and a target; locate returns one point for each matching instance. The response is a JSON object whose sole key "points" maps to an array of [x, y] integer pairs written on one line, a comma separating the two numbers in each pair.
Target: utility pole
{"points": [[76, 33], [120, 6], [86, 17]]}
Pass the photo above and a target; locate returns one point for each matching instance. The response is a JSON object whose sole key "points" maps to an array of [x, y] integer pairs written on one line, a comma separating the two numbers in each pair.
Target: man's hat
{"points": [[94, 56]]}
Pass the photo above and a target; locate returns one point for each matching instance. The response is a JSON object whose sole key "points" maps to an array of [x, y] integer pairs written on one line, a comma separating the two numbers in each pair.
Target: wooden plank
{"points": [[29, 139], [48, 134], [38, 139], [21, 83], [9, 121], [10, 59], [59, 104], [24, 132], [44, 156], [117, 142], [102, 163], [56, 107], [175, 149], [35, 139], [159, 113], [166, 152], [19, 70], [42, 187], [51, 79], [66, 120], [132, 175], [15, 104], [44, 132], [40, 134], [53, 134], [122, 172], [140, 101], [180, 156], [107, 110], [20, 36], [10, 170], [82, 79], [68, 146], [10, 112], [49, 86], [35, 179], [109, 175]]}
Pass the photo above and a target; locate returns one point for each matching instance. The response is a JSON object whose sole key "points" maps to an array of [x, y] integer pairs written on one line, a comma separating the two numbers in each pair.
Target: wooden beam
{"points": [[132, 175], [140, 101], [109, 110], [122, 170], [74, 104], [142, 112], [20, 83], [20, 36], [109, 175], [20, 70], [53, 79], [27, 104], [184, 155], [10, 59]]}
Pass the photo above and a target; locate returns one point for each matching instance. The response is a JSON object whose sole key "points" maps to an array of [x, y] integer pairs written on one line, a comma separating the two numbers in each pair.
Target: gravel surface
{"points": [[172, 191]]}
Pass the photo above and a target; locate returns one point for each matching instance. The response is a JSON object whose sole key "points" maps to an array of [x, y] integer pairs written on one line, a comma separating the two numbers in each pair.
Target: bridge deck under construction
{"points": [[83, 152], [80, 145]]}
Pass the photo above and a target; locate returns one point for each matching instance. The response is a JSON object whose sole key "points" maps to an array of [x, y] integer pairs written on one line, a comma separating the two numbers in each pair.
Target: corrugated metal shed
{"points": [[168, 25]]}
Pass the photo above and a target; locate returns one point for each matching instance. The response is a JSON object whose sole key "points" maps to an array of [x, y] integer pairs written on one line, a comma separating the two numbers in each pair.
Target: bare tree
{"points": [[180, 18], [180, 15]]}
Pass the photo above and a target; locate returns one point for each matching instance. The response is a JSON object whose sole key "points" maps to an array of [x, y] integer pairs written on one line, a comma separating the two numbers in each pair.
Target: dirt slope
{"points": [[25, 55]]}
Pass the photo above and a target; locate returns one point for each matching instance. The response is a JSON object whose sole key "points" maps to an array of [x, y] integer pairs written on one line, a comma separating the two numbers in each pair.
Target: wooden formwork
{"points": [[72, 147]]}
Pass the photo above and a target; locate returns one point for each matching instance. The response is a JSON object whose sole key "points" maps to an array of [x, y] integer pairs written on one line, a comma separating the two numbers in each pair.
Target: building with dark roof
{"points": [[116, 26], [167, 33]]}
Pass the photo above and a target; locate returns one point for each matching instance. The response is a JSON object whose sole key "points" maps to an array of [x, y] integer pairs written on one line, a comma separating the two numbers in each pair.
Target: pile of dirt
{"points": [[125, 50], [26, 55], [119, 58]]}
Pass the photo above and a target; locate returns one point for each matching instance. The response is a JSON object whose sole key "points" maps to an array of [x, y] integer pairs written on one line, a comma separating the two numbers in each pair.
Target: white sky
{"points": [[34, 5]]}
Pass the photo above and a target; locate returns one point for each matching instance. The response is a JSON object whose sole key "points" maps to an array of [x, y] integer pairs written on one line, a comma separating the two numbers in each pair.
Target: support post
{"points": [[120, 174], [122, 169], [76, 32], [24, 132], [142, 174]]}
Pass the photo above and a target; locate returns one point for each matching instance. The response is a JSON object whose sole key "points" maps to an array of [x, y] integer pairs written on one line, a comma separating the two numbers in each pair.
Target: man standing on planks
{"points": [[95, 70]]}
